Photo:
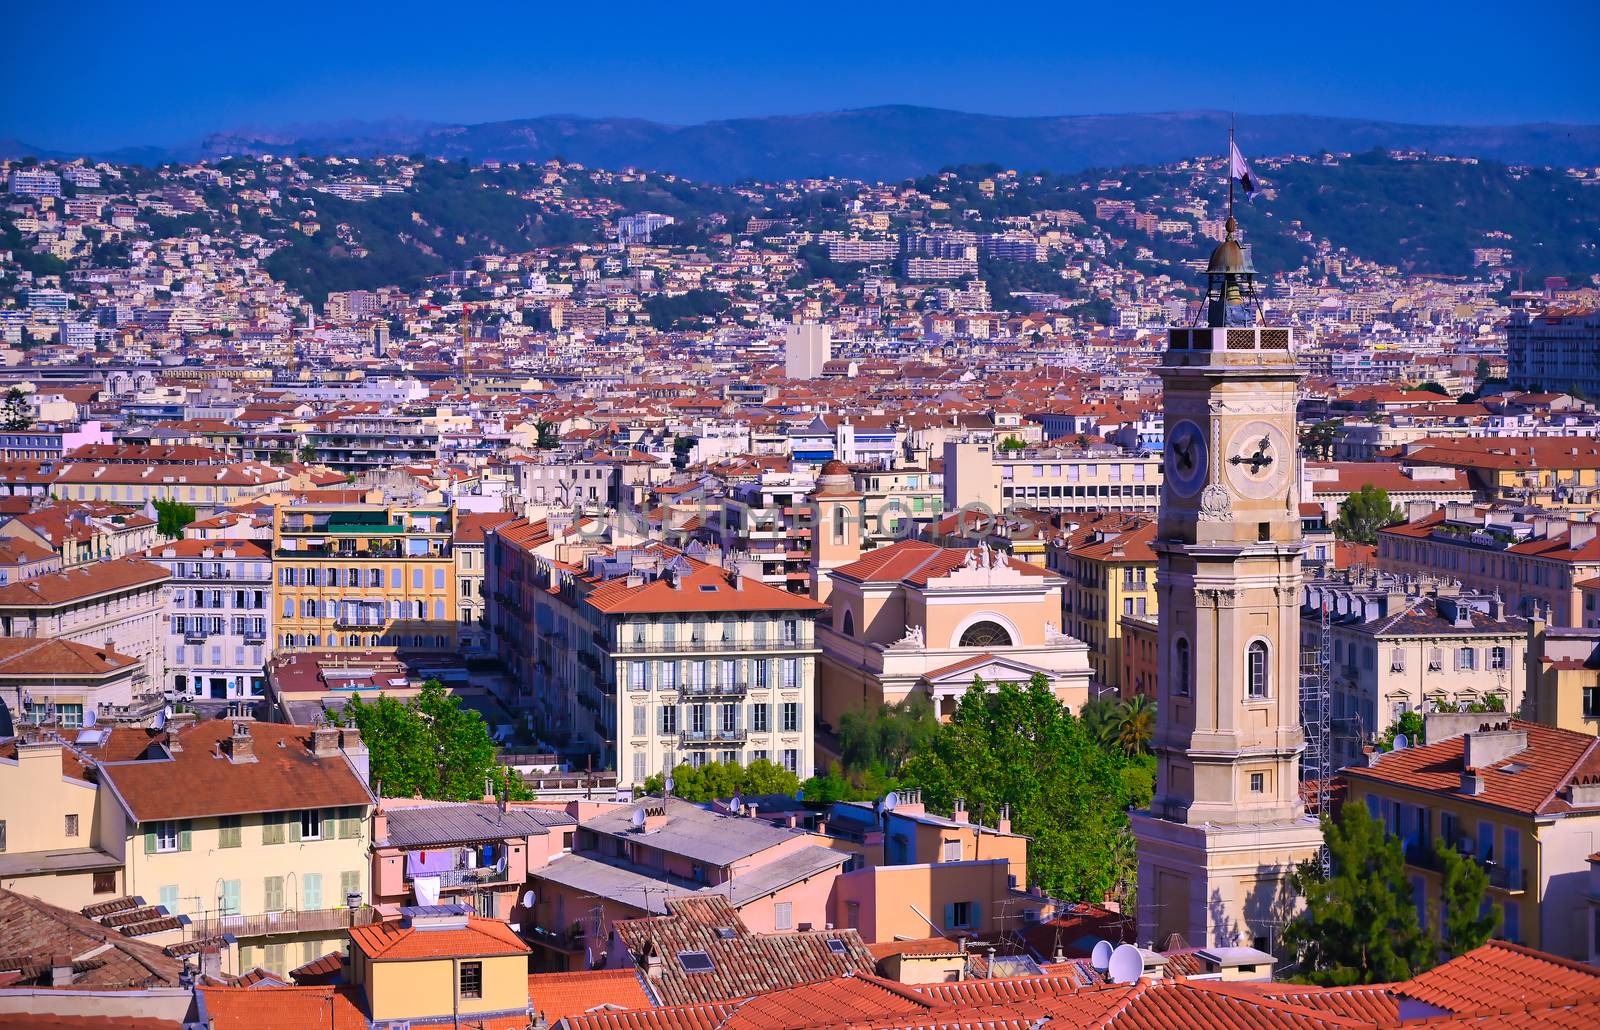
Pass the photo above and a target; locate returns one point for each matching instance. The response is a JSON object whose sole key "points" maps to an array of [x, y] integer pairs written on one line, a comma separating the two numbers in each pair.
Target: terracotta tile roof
{"points": [[916, 562], [56, 588], [706, 588], [742, 963], [393, 939], [32, 933], [1527, 782], [285, 776], [558, 995], [50, 656], [283, 1008], [41, 1021], [923, 947], [1501, 973]]}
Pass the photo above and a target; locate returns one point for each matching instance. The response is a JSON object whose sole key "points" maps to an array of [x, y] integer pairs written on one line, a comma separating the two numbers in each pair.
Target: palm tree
{"points": [[1100, 720], [1136, 724]]}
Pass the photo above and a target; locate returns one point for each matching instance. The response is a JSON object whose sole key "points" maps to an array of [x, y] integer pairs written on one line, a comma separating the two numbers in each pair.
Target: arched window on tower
{"points": [[1256, 669], [848, 627], [1183, 669], [839, 527]]}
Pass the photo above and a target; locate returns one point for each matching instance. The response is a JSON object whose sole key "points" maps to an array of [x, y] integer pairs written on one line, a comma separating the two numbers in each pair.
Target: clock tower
{"points": [[1227, 826]]}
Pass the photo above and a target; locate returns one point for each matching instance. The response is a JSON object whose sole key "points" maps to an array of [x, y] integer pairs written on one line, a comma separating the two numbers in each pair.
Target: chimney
{"points": [[960, 813], [1492, 743], [325, 741], [1472, 781], [655, 818], [380, 825], [1581, 534], [1004, 824], [61, 971], [241, 746], [211, 962], [652, 964]]}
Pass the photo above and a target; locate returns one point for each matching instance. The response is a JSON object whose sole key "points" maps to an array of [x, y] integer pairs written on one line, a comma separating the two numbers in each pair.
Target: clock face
{"points": [[1186, 459], [1258, 459]]}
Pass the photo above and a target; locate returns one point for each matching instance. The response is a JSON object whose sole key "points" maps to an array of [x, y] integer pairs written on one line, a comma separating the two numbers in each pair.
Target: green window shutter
{"points": [[331, 822], [228, 832], [185, 838], [231, 891], [272, 894], [349, 823], [349, 883], [149, 842], [272, 828], [312, 888], [294, 827]]}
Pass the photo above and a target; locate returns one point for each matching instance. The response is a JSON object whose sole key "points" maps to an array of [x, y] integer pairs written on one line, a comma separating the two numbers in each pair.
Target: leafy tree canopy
{"points": [[172, 516], [431, 746], [725, 779], [1363, 513]]}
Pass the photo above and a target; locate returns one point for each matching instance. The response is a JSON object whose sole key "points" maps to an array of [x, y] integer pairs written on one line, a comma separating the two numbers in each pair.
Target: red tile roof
{"points": [[285, 776], [394, 940], [1501, 973], [1526, 782], [557, 995]]}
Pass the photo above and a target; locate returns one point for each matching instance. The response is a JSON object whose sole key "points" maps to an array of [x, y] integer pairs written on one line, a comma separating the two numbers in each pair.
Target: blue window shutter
{"points": [[949, 917], [974, 915]]}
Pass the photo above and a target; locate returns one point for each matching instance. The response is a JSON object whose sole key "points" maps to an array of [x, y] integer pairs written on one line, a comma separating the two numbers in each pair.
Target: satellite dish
{"points": [[637, 819], [527, 899], [1100, 957], [669, 784], [1126, 964], [88, 718], [891, 801], [1400, 742]]}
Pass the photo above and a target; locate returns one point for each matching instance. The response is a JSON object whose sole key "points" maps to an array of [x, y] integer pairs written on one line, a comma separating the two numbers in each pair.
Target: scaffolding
{"points": [[1316, 720]]}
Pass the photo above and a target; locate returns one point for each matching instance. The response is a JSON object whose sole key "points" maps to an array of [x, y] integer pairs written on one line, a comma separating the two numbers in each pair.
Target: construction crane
{"points": [[1316, 716]]}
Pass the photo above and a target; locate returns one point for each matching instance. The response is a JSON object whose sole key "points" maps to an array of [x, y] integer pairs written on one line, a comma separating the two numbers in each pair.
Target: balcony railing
{"points": [[736, 689], [267, 924], [1507, 878], [706, 738], [709, 646]]}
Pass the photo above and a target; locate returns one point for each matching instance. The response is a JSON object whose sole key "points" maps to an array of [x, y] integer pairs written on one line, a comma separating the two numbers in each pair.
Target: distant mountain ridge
{"points": [[885, 143]]}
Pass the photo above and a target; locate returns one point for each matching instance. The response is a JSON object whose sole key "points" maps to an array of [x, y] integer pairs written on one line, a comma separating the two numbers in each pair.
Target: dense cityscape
{"points": [[488, 592]]}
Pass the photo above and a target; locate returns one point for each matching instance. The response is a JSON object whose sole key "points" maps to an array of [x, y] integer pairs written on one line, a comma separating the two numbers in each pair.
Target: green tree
{"points": [[1432, 387], [1410, 723], [306, 454], [1013, 443], [1463, 885], [881, 739], [1363, 513], [1317, 439], [430, 745], [549, 435], [724, 780], [16, 416], [1136, 725], [1360, 924], [1021, 747], [1100, 720], [172, 516]]}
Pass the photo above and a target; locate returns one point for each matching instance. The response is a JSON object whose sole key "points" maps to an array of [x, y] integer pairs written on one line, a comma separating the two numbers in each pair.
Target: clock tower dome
{"points": [[1227, 826]]}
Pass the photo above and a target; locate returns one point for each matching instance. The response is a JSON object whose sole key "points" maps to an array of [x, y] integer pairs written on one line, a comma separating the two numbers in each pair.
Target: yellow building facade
{"points": [[365, 575]]}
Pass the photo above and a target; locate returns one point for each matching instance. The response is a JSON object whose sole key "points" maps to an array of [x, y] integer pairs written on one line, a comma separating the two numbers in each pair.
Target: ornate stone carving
{"points": [[1216, 504], [912, 641]]}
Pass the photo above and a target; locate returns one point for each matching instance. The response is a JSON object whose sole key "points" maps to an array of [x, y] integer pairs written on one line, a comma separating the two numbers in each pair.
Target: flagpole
{"points": [[1230, 165]]}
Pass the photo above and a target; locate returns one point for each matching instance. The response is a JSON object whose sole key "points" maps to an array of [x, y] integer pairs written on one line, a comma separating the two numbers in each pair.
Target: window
{"points": [[783, 915], [72, 824], [166, 837], [1258, 783], [1435, 659], [791, 759], [1256, 669], [272, 894], [1183, 668], [1511, 925], [760, 718], [472, 979], [104, 883], [669, 719], [951, 851], [228, 835], [311, 824], [639, 720], [961, 915], [1591, 702], [1466, 659], [695, 962], [791, 717], [228, 898], [985, 634], [1497, 658], [1397, 660], [167, 898]]}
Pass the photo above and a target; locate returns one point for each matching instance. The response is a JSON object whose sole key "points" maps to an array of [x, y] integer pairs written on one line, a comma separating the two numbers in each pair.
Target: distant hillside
{"points": [[896, 142]]}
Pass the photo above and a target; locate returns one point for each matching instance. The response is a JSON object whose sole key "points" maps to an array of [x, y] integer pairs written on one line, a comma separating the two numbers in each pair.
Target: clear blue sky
{"points": [[87, 74]]}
